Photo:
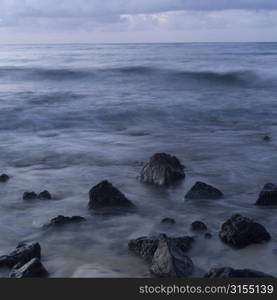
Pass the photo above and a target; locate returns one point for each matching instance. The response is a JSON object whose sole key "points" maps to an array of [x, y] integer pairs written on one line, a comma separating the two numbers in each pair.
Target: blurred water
{"points": [[73, 115]]}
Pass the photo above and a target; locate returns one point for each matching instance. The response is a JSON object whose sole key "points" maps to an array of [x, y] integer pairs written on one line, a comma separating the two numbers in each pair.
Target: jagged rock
{"points": [[202, 190], [105, 196], [162, 169], [45, 195], [169, 259], [240, 232], [62, 220], [22, 254], [30, 196], [31, 269], [198, 226], [145, 247], [235, 273], [168, 221], [4, 178], [268, 195]]}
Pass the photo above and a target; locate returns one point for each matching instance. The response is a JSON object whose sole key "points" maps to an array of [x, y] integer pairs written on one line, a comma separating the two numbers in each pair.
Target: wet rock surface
{"points": [[268, 195], [105, 196], [162, 169], [235, 273], [62, 220], [202, 190], [22, 254], [240, 232], [170, 260], [31, 269], [4, 178]]}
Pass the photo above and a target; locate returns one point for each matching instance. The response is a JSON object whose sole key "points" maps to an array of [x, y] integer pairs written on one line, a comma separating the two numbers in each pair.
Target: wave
{"points": [[237, 77]]}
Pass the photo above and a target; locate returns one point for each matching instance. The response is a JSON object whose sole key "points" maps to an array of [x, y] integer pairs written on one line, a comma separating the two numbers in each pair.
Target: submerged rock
{"points": [[162, 169], [198, 226], [267, 138], [31, 269], [235, 273], [169, 259], [168, 221], [145, 247], [4, 178], [30, 196], [104, 195], [22, 254], [202, 190], [45, 195], [208, 235], [240, 232], [62, 220], [268, 195]]}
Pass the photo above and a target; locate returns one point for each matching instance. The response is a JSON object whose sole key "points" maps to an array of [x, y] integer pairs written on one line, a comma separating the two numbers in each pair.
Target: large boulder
{"points": [[4, 178], [268, 195], [240, 232], [170, 260], [105, 196], [202, 190], [162, 169], [145, 247], [31, 269], [62, 220], [22, 254], [235, 273]]}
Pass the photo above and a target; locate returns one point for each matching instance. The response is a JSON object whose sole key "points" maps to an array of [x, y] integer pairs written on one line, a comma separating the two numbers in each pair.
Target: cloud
{"points": [[84, 17]]}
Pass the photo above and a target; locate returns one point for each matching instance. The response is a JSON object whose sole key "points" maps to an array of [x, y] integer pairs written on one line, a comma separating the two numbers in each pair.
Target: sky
{"points": [[129, 21]]}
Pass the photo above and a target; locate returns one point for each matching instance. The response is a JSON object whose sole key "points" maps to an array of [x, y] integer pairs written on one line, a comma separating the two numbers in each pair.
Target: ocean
{"points": [[74, 115]]}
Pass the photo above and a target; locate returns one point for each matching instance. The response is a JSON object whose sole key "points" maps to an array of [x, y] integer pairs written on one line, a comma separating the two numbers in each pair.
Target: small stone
{"points": [[198, 226], [267, 138], [202, 190], [62, 220], [162, 169], [168, 221], [30, 196], [268, 195], [45, 195], [4, 178]]}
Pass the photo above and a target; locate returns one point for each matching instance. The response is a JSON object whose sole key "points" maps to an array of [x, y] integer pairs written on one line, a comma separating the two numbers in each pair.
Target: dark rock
{"points": [[198, 226], [235, 273], [162, 169], [202, 190], [31, 269], [240, 232], [268, 195], [208, 235], [4, 178], [45, 195], [145, 247], [169, 259], [62, 220], [266, 138], [30, 196], [104, 195], [22, 254], [168, 221]]}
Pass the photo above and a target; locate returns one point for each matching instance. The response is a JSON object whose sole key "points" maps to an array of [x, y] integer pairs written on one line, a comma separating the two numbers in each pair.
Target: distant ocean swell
{"points": [[248, 78]]}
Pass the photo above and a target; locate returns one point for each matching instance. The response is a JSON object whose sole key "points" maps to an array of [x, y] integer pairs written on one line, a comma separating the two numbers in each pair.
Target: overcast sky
{"points": [[88, 21]]}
